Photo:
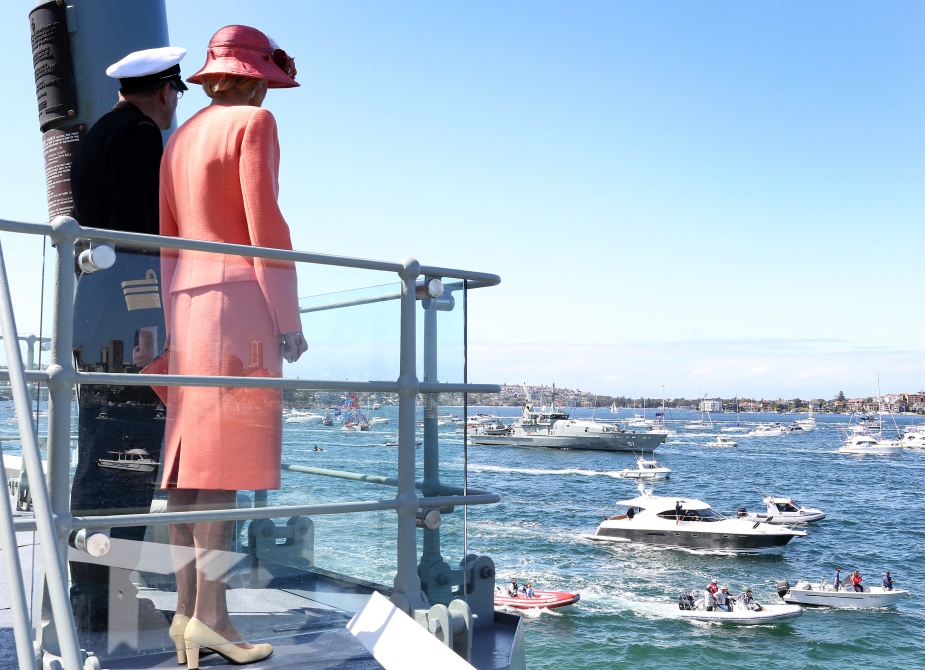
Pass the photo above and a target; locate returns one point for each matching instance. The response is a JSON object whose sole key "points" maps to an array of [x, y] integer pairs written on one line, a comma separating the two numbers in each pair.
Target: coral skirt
{"points": [[223, 438]]}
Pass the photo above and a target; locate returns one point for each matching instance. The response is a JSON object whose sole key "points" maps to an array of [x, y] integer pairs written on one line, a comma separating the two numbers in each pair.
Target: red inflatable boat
{"points": [[541, 600]]}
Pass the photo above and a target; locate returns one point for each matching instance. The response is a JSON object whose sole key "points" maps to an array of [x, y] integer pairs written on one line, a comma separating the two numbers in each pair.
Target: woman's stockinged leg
{"points": [[181, 543], [212, 543]]}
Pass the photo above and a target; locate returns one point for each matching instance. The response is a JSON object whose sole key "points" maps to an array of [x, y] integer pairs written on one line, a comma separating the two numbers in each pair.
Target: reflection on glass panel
{"points": [[199, 448], [351, 334], [277, 579]]}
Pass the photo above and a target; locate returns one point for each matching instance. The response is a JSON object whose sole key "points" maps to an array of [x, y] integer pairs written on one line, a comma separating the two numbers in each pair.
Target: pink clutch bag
{"points": [[159, 366]]}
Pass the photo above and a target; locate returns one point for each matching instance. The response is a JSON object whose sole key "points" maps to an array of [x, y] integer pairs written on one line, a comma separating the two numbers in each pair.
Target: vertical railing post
{"points": [[408, 595], [52, 514]]}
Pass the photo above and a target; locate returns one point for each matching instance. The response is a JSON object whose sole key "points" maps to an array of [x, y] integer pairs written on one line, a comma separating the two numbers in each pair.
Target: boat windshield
{"points": [[693, 515]]}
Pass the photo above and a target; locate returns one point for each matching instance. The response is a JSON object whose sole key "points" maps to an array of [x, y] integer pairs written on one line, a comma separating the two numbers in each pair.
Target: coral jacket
{"points": [[219, 183]]}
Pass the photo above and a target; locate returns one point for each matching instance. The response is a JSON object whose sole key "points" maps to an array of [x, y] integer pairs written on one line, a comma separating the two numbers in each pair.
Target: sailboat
{"points": [[735, 427], [639, 420], [861, 440], [702, 423]]}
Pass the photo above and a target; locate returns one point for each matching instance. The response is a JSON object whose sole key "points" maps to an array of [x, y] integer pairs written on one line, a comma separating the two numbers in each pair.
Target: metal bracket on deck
{"points": [[52, 662], [297, 549], [452, 626], [479, 587]]}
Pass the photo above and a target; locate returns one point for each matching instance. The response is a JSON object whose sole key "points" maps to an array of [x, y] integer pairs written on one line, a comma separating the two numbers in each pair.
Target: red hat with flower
{"points": [[247, 52]]}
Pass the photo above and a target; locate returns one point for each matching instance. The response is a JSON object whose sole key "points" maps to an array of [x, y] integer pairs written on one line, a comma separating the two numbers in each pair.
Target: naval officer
{"points": [[119, 321]]}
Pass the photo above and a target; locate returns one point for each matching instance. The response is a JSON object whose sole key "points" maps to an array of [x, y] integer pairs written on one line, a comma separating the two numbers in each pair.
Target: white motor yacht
{"points": [[768, 430], [783, 511], [722, 441], [824, 594], [861, 441], [690, 523], [646, 469], [300, 416], [808, 424]]}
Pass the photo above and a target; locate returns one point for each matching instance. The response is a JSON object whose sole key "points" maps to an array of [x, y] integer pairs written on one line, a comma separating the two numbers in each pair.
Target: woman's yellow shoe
{"points": [[198, 635]]}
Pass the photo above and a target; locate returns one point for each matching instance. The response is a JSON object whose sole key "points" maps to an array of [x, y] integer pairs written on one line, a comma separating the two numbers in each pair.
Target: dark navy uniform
{"points": [[115, 182]]}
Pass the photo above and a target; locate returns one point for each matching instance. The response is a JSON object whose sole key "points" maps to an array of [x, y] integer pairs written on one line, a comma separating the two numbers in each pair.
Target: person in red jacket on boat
{"points": [[856, 580]]}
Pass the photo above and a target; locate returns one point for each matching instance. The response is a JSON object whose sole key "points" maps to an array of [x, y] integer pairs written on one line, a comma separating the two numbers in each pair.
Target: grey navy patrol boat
{"points": [[553, 428]]}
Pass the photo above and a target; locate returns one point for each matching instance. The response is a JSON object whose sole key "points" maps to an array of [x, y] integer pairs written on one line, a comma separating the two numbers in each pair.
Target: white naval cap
{"points": [[149, 66]]}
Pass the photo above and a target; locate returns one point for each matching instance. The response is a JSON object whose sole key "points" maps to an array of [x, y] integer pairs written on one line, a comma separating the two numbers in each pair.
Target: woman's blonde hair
{"points": [[216, 84]]}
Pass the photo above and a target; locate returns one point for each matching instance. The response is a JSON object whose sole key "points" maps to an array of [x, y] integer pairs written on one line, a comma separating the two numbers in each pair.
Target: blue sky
{"points": [[715, 195]]}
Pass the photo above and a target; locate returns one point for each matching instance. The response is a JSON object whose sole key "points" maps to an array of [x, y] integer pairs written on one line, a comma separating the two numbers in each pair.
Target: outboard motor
{"points": [[686, 602], [741, 512], [782, 587]]}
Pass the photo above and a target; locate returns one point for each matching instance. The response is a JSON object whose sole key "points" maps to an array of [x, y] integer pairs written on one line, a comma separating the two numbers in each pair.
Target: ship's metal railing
{"points": [[53, 521]]}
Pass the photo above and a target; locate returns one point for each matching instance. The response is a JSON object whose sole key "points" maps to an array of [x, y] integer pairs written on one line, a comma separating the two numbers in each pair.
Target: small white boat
{"points": [[722, 441], [130, 460], [808, 424], [379, 419], [824, 594], [300, 416], [355, 425], [862, 441], [698, 424], [769, 430], [783, 511], [739, 613], [645, 469]]}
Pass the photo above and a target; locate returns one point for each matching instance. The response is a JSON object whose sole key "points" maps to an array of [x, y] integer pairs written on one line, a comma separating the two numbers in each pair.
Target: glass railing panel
{"points": [[284, 576], [352, 334]]}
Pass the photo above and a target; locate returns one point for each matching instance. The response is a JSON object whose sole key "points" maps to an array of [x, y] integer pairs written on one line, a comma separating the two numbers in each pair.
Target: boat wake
{"points": [[475, 467], [534, 613]]}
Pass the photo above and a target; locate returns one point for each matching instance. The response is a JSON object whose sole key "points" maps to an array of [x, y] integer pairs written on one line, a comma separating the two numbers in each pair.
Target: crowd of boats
{"points": [[692, 524], [553, 427]]}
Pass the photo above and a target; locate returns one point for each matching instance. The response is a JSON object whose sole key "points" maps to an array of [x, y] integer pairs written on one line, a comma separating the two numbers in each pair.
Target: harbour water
{"points": [[552, 499]]}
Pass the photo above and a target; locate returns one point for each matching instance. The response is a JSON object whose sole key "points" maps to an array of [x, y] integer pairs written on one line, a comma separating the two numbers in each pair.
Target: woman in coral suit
{"points": [[225, 315]]}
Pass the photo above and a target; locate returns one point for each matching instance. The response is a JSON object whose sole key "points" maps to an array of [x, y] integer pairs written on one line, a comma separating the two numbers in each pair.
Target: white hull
{"points": [[782, 519], [807, 594], [129, 466], [769, 615], [699, 527], [883, 449], [785, 511], [698, 426], [647, 475], [768, 432]]}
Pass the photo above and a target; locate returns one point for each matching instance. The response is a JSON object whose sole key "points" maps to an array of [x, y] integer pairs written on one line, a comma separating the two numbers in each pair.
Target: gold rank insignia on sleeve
{"points": [[142, 293]]}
